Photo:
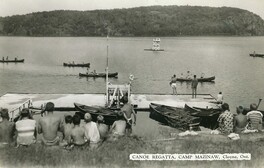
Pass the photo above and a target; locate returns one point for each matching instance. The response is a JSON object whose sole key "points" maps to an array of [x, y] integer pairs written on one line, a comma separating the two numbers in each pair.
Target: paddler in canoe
{"points": [[189, 75]]}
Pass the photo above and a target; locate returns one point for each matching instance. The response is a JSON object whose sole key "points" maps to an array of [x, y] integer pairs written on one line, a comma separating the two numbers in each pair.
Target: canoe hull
{"points": [[109, 115], [209, 79], [12, 61], [208, 116], [174, 117], [76, 65], [99, 75], [257, 55]]}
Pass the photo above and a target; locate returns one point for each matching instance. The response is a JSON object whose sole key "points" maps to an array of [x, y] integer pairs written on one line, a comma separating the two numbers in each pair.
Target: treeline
{"points": [[141, 21]]}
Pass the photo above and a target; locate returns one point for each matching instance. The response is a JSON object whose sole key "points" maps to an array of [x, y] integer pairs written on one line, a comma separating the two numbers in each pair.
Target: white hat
{"points": [[87, 117]]}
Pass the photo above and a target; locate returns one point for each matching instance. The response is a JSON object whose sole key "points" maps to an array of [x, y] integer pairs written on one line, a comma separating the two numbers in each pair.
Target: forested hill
{"points": [[141, 21]]}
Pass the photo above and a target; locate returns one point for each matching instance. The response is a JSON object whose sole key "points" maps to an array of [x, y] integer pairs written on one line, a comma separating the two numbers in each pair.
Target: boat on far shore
{"points": [[209, 79], [76, 65], [13, 61], [99, 75]]}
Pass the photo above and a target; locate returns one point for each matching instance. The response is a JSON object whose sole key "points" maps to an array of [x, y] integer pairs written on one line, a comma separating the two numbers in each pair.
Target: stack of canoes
{"points": [[175, 117], [208, 116], [209, 79], [86, 65], [109, 114]]}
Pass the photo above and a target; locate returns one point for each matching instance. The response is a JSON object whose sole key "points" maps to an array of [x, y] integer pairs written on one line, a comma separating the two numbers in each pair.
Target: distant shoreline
{"points": [[138, 36], [161, 21]]}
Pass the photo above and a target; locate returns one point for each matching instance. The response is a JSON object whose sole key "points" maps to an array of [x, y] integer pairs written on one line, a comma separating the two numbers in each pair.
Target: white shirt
{"points": [[220, 98], [25, 131], [91, 132]]}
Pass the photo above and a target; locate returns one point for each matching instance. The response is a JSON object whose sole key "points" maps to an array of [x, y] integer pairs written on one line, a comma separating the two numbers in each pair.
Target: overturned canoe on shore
{"points": [[99, 75], [208, 116], [175, 117], [209, 79], [76, 65], [12, 61], [109, 115]]}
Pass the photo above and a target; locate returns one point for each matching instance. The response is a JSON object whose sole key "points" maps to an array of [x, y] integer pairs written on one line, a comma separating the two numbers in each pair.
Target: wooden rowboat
{"points": [[12, 61], [209, 79], [175, 117], [109, 115], [99, 75], [76, 65]]}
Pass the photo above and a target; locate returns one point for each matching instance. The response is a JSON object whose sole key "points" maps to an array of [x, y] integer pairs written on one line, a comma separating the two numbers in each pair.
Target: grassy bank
{"points": [[116, 154]]}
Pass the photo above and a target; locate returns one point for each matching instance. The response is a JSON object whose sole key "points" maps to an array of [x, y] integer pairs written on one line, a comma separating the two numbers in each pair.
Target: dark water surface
{"points": [[238, 76]]}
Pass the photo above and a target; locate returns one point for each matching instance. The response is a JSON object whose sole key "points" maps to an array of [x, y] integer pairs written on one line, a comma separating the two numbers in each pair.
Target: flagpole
{"points": [[107, 101]]}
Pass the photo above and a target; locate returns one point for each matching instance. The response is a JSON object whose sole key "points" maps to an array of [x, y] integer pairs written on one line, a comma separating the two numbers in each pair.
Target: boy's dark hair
{"points": [[26, 113], [194, 76], [68, 119], [120, 115], [76, 119], [49, 107], [225, 107]]}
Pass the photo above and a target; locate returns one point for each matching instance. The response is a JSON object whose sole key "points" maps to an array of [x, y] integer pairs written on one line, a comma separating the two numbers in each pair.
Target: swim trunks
{"points": [[51, 142]]}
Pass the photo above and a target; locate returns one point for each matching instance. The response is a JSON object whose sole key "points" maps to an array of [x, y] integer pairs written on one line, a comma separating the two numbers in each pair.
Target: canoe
{"points": [[12, 61], [175, 117], [256, 55], [109, 115], [76, 65], [209, 79], [208, 116], [99, 75]]}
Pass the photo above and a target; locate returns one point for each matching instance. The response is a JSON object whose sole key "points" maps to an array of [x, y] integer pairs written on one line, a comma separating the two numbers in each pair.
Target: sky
{"points": [[18, 7]]}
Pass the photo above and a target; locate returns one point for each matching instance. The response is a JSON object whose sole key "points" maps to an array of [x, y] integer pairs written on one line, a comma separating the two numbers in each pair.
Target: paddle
{"points": [[259, 103]]}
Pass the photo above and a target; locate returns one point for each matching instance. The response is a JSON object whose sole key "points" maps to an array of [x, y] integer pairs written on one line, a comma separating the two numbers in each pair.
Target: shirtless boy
{"points": [[78, 133], [128, 110], [240, 120], [49, 126]]}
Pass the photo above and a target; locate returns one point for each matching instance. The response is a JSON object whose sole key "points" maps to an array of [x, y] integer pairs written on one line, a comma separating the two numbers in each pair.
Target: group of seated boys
{"points": [[241, 122], [24, 131]]}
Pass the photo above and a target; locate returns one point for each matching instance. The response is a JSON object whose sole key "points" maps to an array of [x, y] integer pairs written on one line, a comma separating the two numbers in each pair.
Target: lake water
{"points": [[238, 76]]}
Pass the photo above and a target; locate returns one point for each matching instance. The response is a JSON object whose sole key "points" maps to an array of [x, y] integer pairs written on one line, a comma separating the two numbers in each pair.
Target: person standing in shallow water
{"points": [[128, 111], [173, 84], [194, 86]]}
